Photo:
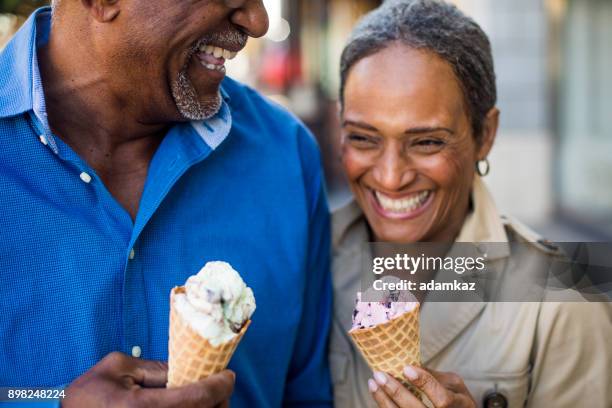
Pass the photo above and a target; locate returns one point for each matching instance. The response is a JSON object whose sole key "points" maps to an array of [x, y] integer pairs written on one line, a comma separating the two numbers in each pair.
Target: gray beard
{"points": [[188, 103]]}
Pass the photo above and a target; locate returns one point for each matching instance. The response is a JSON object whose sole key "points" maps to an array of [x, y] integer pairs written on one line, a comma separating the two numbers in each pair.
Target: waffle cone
{"points": [[191, 357], [391, 346]]}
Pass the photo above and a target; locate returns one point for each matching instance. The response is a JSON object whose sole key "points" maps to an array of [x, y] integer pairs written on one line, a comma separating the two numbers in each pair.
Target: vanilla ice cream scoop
{"points": [[216, 303]]}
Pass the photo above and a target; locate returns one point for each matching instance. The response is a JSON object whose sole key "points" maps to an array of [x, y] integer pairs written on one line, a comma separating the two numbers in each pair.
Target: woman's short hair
{"points": [[436, 26]]}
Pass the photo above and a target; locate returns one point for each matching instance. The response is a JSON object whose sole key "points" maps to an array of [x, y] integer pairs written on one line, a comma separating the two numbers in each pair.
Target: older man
{"points": [[126, 162]]}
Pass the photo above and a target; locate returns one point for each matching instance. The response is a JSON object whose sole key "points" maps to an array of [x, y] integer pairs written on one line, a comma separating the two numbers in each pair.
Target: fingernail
{"points": [[380, 378], [372, 385], [410, 373]]}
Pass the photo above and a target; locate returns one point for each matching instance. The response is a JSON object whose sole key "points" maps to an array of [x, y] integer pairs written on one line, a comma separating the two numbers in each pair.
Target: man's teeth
{"points": [[220, 68], [402, 205], [218, 52]]}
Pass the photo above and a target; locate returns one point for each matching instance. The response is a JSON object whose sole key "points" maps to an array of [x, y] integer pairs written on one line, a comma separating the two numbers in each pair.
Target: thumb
{"points": [[210, 392], [424, 381], [150, 374]]}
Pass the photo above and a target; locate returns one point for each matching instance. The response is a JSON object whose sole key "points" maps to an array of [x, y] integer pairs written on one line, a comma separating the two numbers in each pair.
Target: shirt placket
{"points": [[181, 149]]}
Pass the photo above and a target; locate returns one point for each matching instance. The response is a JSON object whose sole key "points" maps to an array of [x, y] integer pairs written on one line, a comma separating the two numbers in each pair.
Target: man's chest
{"points": [[126, 187], [89, 283]]}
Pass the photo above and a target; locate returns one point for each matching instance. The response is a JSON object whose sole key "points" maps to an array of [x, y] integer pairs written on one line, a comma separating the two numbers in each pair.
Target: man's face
{"points": [[169, 55]]}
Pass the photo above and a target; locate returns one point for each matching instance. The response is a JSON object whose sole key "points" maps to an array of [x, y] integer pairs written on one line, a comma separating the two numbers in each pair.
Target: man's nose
{"points": [[393, 171], [250, 16]]}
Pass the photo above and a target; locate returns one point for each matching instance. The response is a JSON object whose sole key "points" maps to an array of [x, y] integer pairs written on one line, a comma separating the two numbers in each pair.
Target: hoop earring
{"points": [[482, 172]]}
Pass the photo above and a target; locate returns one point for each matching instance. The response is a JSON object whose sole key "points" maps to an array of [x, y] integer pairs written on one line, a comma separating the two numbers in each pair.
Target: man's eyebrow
{"points": [[427, 129], [359, 124]]}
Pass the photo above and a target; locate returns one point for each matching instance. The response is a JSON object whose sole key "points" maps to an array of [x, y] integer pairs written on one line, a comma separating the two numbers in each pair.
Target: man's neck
{"points": [[82, 108], [103, 128]]}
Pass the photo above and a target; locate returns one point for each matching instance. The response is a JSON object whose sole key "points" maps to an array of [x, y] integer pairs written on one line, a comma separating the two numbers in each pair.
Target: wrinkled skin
{"points": [[120, 381], [406, 130], [444, 390], [118, 73]]}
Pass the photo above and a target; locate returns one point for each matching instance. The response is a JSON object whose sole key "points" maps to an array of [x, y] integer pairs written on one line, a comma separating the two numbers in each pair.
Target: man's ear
{"points": [[103, 11], [489, 132]]}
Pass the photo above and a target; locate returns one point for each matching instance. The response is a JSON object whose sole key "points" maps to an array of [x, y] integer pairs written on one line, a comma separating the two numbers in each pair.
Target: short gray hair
{"points": [[436, 26]]}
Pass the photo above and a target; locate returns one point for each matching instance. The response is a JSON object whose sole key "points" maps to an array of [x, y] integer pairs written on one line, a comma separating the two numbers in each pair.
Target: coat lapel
{"points": [[442, 322]]}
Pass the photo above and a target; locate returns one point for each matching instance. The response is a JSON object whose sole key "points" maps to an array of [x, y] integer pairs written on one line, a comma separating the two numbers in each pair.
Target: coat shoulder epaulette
{"points": [[519, 232]]}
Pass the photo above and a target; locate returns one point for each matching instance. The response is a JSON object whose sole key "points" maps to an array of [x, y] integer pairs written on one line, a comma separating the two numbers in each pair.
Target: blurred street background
{"points": [[552, 163]]}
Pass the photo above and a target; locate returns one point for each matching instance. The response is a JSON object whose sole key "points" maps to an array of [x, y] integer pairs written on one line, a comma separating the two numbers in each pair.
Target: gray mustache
{"points": [[229, 39]]}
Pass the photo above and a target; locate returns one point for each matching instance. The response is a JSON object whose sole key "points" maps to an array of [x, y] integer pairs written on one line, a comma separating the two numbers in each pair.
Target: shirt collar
{"points": [[22, 89], [215, 129], [16, 63]]}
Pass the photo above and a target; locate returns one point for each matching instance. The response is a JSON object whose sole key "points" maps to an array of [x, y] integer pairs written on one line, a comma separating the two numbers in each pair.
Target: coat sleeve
{"points": [[572, 356], [308, 382]]}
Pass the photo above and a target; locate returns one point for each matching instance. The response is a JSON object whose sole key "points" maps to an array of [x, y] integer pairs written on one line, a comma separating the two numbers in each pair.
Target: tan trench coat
{"points": [[536, 354]]}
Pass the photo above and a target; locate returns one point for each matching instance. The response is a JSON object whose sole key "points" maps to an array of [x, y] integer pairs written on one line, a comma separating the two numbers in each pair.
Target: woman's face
{"points": [[407, 145]]}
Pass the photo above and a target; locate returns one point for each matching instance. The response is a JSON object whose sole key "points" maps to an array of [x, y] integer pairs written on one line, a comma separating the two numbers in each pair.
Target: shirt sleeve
{"points": [[308, 383], [572, 357]]}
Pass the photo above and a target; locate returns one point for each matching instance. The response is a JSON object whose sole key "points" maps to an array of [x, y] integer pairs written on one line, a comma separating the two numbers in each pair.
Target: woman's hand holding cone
{"points": [[444, 390]]}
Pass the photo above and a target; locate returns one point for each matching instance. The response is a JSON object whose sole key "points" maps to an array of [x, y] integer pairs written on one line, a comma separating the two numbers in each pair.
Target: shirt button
{"points": [[132, 254], [43, 139], [85, 177], [136, 351]]}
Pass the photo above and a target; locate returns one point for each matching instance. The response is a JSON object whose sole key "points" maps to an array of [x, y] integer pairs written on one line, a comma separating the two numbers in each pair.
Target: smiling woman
{"points": [[418, 120], [410, 158]]}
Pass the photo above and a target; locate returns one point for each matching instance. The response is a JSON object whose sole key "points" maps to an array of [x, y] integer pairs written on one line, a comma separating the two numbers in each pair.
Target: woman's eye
{"points": [[429, 145], [362, 141]]}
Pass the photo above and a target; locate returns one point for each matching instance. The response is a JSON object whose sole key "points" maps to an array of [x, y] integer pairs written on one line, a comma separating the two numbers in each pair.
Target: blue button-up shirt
{"points": [[79, 278]]}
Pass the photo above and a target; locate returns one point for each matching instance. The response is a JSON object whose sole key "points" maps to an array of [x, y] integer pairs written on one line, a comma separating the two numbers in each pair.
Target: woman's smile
{"points": [[401, 207]]}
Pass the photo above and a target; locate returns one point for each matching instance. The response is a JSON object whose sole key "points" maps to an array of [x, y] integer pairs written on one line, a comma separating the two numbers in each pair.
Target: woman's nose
{"points": [[393, 172], [250, 16]]}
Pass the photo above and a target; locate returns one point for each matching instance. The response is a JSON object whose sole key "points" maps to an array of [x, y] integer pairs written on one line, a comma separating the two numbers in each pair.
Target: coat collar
{"points": [[441, 322]]}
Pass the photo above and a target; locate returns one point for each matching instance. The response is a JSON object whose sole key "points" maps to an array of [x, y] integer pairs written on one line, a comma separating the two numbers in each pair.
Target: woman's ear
{"points": [[489, 132], [103, 11]]}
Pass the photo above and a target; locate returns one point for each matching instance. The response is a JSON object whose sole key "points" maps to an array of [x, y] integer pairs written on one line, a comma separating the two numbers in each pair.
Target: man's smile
{"points": [[213, 50], [195, 88], [213, 58]]}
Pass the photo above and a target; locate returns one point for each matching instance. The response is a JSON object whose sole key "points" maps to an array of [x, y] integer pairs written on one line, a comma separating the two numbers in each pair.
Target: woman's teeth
{"points": [[402, 205]]}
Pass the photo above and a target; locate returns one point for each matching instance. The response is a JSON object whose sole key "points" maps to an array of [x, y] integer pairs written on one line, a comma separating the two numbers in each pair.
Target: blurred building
{"points": [[581, 75], [552, 163]]}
